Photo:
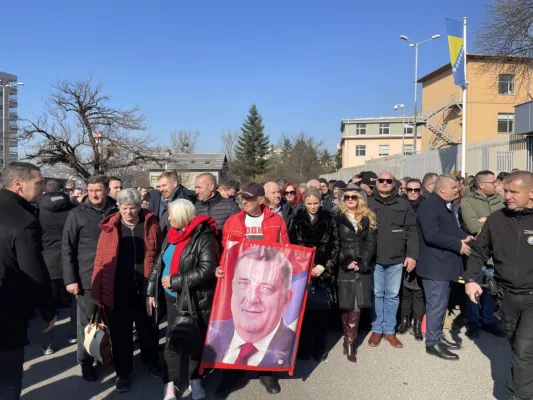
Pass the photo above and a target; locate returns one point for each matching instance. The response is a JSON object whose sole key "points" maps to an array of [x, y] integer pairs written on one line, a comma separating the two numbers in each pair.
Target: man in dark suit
{"points": [[441, 244]]}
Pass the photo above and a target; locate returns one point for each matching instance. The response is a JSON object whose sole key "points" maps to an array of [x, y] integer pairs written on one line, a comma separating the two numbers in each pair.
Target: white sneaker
{"points": [[198, 392], [170, 391]]}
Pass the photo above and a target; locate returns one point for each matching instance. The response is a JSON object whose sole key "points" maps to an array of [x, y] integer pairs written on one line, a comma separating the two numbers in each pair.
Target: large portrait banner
{"points": [[258, 306]]}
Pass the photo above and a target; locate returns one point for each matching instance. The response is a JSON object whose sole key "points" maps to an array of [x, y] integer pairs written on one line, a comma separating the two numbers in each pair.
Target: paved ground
{"points": [[381, 373]]}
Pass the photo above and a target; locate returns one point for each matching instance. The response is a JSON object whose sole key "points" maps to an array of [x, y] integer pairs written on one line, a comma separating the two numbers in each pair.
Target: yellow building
{"points": [[364, 139], [490, 103]]}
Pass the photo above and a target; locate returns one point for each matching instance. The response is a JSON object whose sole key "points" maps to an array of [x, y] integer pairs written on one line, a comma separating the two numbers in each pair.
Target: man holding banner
{"points": [[255, 221]]}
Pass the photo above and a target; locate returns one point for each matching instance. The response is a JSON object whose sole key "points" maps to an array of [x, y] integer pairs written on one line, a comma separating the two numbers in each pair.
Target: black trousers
{"points": [[173, 361], [517, 314], [11, 369], [129, 308], [86, 308], [412, 304], [437, 295], [313, 333]]}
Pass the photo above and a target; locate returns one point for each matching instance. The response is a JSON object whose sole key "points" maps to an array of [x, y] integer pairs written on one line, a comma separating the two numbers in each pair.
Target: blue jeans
{"points": [[387, 282]]}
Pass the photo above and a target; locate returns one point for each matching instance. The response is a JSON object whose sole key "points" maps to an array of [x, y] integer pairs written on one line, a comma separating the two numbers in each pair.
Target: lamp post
{"points": [[5, 119], [416, 45], [396, 107]]}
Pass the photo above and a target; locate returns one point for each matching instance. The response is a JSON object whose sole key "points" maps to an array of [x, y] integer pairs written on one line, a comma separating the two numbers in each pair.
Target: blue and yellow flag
{"points": [[457, 50]]}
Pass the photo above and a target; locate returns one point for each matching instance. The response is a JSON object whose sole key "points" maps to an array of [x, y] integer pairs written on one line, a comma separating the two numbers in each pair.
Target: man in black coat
{"points": [[169, 190], [24, 279], [397, 248], [442, 242], [54, 207], [210, 202], [80, 238]]}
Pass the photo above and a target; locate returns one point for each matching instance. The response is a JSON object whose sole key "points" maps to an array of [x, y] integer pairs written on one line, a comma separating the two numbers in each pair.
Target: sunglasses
{"points": [[349, 197], [388, 181], [291, 193], [413, 190]]}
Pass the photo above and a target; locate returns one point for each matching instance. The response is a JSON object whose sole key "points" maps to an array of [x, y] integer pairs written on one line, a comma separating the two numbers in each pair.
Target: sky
{"points": [[198, 65]]}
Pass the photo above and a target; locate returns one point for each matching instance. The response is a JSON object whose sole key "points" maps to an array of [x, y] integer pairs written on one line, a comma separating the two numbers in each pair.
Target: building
{"points": [[189, 166], [9, 143], [490, 102], [364, 139]]}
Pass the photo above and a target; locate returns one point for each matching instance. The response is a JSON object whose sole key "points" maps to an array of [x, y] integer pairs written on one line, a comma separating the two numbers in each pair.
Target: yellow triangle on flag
{"points": [[456, 44]]}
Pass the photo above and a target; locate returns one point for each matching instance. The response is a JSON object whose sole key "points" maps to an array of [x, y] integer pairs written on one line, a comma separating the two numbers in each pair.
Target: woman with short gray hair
{"points": [[126, 254]]}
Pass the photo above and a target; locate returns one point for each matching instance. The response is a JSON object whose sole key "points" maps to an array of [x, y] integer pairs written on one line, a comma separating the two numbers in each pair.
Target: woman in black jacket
{"points": [[357, 227], [313, 226], [189, 256]]}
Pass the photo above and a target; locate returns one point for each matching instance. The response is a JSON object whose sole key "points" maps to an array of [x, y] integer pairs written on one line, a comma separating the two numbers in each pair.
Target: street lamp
{"points": [[5, 118], [416, 45], [396, 107]]}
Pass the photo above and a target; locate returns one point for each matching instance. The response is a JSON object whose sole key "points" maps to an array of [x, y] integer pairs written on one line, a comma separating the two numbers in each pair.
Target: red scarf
{"points": [[182, 239]]}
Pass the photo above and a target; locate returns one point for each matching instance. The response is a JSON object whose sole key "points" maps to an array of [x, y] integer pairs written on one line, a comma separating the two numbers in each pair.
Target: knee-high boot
{"points": [[350, 325]]}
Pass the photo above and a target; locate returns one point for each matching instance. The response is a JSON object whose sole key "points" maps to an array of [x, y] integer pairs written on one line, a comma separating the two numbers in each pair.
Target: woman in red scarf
{"points": [[190, 256]]}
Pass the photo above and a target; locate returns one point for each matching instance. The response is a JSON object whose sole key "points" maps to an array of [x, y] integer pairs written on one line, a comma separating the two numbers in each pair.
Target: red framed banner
{"points": [[258, 307]]}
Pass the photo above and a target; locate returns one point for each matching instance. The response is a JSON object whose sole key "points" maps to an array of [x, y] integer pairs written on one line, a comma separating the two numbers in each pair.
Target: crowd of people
{"points": [[393, 246]]}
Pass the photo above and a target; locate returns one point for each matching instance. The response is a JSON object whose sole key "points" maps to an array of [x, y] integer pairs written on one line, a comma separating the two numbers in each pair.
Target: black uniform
{"points": [[507, 236]]}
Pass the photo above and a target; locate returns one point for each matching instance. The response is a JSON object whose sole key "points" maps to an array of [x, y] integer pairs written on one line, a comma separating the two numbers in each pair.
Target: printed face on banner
{"points": [[257, 309]]}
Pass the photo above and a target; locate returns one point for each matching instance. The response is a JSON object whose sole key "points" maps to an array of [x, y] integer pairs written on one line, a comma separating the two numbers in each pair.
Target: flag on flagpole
{"points": [[457, 50]]}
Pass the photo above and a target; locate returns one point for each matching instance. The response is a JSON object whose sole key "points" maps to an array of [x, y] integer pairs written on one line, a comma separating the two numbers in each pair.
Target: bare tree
{"points": [[229, 142], [183, 141], [67, 133], [507, 35]]}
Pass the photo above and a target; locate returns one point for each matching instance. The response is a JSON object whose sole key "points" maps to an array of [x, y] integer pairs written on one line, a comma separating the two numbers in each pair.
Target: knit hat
{"points": [[340, 185]]}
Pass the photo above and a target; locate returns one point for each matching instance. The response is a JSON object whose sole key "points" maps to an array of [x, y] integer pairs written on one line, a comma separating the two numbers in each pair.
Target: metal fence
{"points": [[502, 154]]}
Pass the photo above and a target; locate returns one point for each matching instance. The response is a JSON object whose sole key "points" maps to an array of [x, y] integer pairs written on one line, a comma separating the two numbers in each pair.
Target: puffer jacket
{"points": [[198, 263], [355, 246], [475, 206], [105, 263], [218, 208], [53, 212], [321, 233]]}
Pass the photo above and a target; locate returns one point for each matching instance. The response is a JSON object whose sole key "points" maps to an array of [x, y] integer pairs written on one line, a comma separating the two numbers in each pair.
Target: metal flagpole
{"points": [[463, 130]]}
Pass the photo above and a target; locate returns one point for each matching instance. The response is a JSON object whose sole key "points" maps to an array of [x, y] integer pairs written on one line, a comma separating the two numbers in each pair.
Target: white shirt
{"points": [[254, 226], [261, 345]]}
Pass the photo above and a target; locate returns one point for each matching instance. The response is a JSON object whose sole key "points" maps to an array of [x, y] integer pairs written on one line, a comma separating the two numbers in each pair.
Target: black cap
{"points": [[252, 189], [340, 184], [368, 178]]}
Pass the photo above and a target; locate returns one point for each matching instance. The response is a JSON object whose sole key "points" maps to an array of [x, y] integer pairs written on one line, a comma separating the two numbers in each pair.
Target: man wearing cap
{"points": [[255, 221], [366, 180]]}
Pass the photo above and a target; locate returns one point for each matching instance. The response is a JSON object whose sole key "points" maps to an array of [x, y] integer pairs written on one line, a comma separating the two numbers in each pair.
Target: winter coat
{"points": [[218, 208], [355, 246], [80, 238], [287, 212], [24, 278], [475, 206], [321, 233], [410, 280], [415, 204], [180, 192], [198, 263], [397, 236], [107, 251], [53, 211], [507, 236], [440, 241]]}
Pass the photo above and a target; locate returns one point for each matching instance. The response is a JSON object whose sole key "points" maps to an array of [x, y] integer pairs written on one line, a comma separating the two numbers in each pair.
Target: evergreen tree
{"points": [[253, 146], [338, 158]]}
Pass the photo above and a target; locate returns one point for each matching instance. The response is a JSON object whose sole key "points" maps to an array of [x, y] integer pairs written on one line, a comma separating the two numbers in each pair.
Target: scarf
{"points": [[182, 239]]}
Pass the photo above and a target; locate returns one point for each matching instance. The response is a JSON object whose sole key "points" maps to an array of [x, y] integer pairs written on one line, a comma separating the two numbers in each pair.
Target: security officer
{"points": [[507, 237]]}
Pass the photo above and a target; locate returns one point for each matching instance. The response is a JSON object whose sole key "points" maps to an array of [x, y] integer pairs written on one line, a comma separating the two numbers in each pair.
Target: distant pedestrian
{"points": [[292, 198], [115, 186], [428, 183]]}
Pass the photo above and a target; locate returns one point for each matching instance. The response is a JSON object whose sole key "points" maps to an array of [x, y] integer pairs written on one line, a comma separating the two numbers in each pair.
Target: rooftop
{"points": [[373, 120]]}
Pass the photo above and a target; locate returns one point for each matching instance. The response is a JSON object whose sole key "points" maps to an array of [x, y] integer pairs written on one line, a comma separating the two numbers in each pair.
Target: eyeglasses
{"points": [[290, 193], [388, 181], [349, 197], [414, 190]]}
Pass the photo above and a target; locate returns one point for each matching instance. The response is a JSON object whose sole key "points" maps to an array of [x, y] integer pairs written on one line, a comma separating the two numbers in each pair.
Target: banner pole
{"points": [[463, 130]]}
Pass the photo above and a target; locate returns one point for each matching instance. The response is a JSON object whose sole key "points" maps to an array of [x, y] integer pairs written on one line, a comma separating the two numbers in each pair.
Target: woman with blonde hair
{"points": [[357, 233]]}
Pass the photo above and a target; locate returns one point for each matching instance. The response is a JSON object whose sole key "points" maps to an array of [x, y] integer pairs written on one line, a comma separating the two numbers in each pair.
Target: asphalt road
{"points": [[380, 373]]}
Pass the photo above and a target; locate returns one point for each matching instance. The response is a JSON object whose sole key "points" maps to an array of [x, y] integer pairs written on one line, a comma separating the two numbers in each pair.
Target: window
{"points": [[13, 149], [408, 149], [360, 150], [360, 129], [383, 129], [506, 85], [408, 129], [505, 123], [383, 149]]}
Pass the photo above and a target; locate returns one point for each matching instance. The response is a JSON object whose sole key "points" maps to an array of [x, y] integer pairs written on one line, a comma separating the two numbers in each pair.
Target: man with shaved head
{"points": [[507, 237], [273, 195], [397, 248], [442, 242]]}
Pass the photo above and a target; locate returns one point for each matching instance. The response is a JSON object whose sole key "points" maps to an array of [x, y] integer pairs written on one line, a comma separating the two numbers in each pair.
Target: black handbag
{"points": [[320, 295], [185, 336]]}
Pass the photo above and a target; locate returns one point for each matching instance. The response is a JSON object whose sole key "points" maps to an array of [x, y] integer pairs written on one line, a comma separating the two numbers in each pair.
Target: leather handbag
{"points": [[185, 336], [97, 341]]}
